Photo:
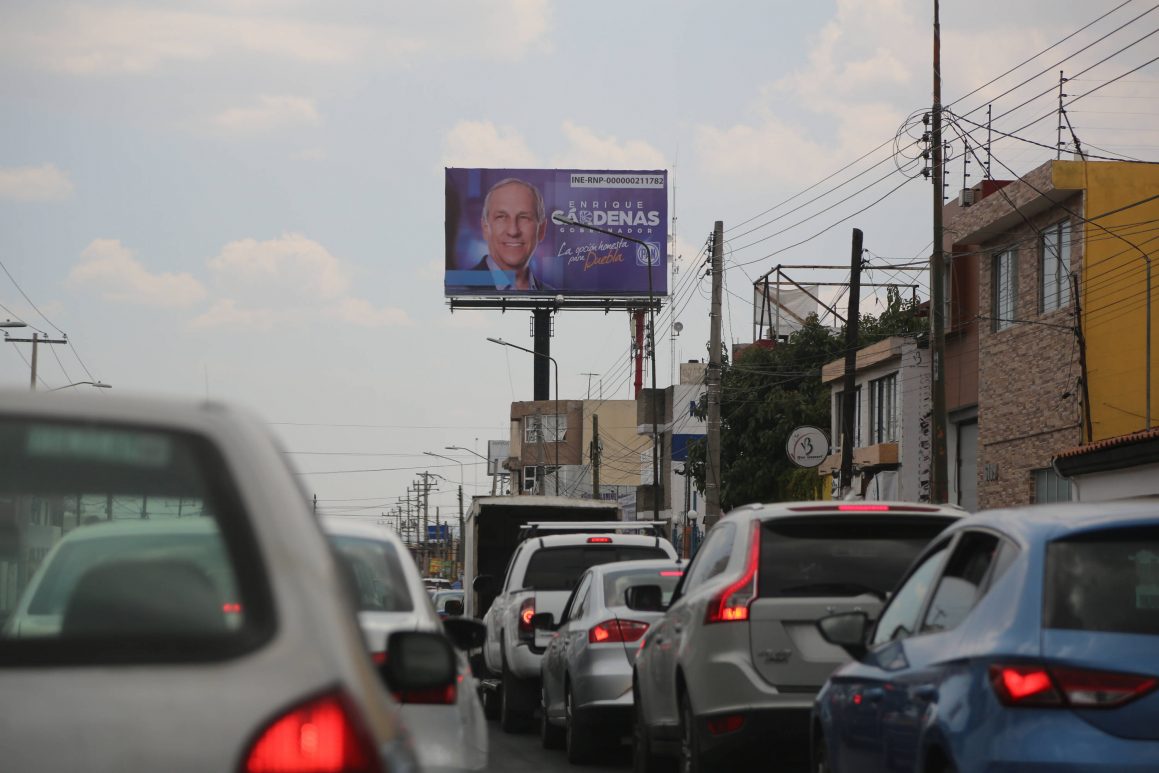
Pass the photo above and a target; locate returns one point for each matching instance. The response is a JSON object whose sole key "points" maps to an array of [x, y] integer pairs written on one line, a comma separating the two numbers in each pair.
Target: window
{"points": [[713, 556], [961, 584], [551, 428], [1049, 486], [1054, 278], [559, 568], [575, 604], [1005, 287], [1104, 581], [899, 618], [373, 568], [530, 478], [616, 584], [883, 410], [839, 412]]}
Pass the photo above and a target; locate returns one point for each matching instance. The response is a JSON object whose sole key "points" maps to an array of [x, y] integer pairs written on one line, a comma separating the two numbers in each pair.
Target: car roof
{"points": [[844, 507], [1054, 521], [137, 527], [357, 527], [557, 540], [127, 409], [641, 565]]}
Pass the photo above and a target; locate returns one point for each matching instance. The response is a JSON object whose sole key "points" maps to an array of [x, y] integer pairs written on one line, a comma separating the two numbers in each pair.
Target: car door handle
{"points": [[926, 692], [873, 694]]}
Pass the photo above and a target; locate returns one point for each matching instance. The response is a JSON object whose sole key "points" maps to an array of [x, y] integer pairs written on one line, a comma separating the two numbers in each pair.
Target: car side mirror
{"points": [[465, 633], [543, 621], [418, 661], [453, 608], [847, 630], [483, 583], [644, 598]]}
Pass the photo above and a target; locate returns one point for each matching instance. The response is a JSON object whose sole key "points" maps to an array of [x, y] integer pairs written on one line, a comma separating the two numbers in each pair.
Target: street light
{"points": [[94, 384], [459, 552], [474, 465], [652, 350], [501, 342]]}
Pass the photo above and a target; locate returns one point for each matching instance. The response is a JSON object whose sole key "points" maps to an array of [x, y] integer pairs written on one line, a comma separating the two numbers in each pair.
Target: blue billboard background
{"points": [[568, 260]]}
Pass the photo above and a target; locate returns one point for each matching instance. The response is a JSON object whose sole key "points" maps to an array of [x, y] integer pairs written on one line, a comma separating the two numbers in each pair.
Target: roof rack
{"points": [[534, 528]]}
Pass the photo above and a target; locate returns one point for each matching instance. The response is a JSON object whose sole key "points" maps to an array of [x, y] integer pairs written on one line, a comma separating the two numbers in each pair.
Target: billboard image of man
{"points": [[514, 223]]}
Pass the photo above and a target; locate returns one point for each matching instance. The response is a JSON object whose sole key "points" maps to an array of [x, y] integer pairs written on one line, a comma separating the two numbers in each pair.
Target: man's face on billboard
{"points": [[511, 226]]}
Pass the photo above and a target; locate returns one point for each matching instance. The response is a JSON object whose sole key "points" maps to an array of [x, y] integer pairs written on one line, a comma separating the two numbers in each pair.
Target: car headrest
{"points": [[649, 598], [135, 597]]}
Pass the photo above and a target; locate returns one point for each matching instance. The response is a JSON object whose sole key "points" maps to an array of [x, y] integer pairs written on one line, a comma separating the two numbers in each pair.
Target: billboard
{"points": [[503, 236]]}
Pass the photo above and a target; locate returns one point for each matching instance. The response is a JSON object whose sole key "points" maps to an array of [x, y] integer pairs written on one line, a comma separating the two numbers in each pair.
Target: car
{"points": [[448, 603], [435, 584], [726, 678], [1021, 639], [586, 670], [448, 726], [169, 598]]}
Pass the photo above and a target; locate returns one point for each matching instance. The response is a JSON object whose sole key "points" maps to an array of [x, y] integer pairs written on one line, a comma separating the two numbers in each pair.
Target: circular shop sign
{"points": [[807, 446]]}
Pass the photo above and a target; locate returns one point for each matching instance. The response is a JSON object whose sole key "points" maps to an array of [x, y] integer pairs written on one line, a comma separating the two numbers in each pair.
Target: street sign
{"points": [[807, 446]]}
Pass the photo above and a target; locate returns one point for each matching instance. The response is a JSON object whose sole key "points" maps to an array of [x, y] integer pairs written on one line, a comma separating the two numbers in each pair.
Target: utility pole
{"points": [[939, 488], [713, 378], [36, 340], [849, 393], [595, 456], [589, 375]]}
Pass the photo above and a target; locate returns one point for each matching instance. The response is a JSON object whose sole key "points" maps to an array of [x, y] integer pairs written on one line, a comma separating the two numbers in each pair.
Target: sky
{"points": [[243, 199]]}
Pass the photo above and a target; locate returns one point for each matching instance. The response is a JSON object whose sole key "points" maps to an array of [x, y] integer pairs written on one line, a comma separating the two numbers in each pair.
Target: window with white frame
{"points": [[1055, 269], [1049, 486], [544, 429], [883, 410], [530, 478], [838, 411], [1005, 286]]}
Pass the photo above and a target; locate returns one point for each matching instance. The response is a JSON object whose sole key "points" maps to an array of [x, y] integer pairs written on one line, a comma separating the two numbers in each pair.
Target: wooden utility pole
{"points": [[939, 473], [36, 340], [713, 379], [849, 388], [594, 453]]}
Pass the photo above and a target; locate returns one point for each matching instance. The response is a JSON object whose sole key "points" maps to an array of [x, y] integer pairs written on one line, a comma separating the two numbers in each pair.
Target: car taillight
{"points": [[1028, 684], [616, 631], [231, 608], [379, 658], [732, 603], [322, 735], [526, 612], [600, 540], [445, 695]]}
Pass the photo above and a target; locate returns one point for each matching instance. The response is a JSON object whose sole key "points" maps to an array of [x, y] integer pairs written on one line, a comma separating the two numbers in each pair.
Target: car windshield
{"points": [[559, 568], [840, 556], [375, 573], [1108, 581], [616, 583], [118, 534]]}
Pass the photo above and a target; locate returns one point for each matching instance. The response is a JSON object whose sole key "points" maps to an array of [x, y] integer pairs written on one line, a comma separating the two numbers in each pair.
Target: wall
{"points": [[1142, 480], [622, 446]]}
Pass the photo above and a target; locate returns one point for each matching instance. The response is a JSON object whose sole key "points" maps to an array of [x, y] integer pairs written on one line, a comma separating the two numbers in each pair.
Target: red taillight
{"points": [[732, 603], [231, 608], [671, 573], [445, 695], [616, 631], [726, 724], [526, 612], [320, 736], [1022, 684], [862, 508], [600, 540], [379, 658]]}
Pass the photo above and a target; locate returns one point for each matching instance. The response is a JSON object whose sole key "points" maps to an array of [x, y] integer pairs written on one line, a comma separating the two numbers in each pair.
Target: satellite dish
{"points": [[678, 326]]}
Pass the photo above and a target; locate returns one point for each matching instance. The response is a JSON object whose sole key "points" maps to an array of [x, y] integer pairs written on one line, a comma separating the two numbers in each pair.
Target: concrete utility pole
{"points": [[939, 474], [595, 456], [713, 378], [36, 340], [849, 388]]}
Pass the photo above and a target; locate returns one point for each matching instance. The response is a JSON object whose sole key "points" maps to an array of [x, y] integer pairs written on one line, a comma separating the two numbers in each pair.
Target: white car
{"points": [[449, 730], [169, 598]]}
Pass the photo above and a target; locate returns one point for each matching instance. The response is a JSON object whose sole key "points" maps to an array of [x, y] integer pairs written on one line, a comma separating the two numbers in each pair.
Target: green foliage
{"points": [[769, 392]]}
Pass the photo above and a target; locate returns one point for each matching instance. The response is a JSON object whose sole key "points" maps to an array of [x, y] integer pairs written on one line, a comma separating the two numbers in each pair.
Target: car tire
{"points": [[550, 736], [643, 759], [579, 742], [513, 715], [689, 760], [819, 761], [490, 703]]}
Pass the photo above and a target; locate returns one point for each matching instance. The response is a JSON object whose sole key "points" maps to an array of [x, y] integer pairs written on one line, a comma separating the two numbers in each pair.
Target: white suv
{"points": [[728, 675]]}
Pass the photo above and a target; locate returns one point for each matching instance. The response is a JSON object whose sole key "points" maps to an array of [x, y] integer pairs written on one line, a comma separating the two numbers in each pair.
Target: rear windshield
{"points": [[375, 574], [840, 556], [1104, 582], [131, 540], [616, 584], [560, 568]]}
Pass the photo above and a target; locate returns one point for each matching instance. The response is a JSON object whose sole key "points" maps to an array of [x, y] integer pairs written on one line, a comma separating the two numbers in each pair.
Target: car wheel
{"points": [[643, 760], [512, 715], [689, 761], [578, 740], [550, 736], [820, 759], [490, 704]]}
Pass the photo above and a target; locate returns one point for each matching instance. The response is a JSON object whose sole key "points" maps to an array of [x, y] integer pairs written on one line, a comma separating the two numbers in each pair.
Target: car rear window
{"points": [[559, 568], [1107, 581], [123, 544], [840, 556], [616, 584], [375, 574]]}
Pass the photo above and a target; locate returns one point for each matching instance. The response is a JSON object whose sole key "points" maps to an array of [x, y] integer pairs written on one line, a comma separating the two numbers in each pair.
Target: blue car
{"points": [[1020, 640]]}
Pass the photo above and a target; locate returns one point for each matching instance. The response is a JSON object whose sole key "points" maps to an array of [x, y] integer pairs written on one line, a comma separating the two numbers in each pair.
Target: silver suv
{"points": [[727, 677]]}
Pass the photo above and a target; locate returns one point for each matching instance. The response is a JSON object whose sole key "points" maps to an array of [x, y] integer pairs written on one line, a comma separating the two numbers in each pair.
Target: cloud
{"points": [[111, 269], [227, 313], [362, 313], [483, 144], [34, 183], [590, 151], [268, 114], [291, 268]]}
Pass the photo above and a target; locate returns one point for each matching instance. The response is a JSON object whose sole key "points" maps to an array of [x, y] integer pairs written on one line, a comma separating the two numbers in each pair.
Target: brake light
{"points": [[526, 612], [231, 608], [726, 724], [671, 573], [732, 603], [616, 631], [1024, 684], [600, 540], [322, 735], [379, 658], [862, 508], [442, 696]]}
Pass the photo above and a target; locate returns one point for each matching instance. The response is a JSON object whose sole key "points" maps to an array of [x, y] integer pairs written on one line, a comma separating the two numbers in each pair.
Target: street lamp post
{"points": [[459, 552], [476, 453], [651, 351], [501, 342]]}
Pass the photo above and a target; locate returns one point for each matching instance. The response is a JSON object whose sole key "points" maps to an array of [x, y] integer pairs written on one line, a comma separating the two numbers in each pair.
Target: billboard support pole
{"points": [[541, 330]]}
